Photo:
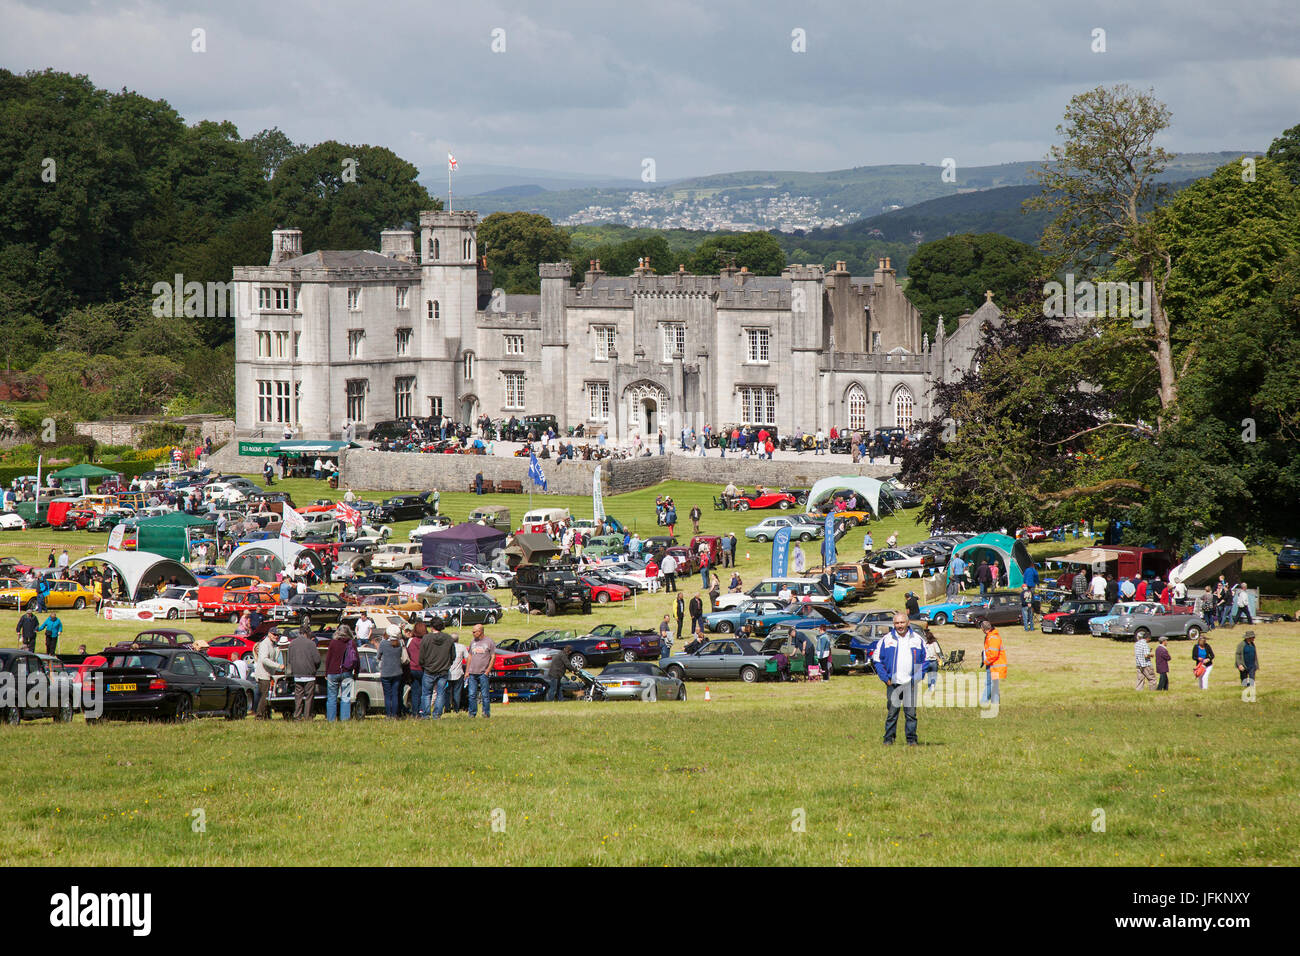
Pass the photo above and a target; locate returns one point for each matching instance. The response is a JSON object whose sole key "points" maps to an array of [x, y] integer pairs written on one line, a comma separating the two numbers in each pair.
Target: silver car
{"points": [[640, 680], [1157, 621], [732, 658], [801, 529]]}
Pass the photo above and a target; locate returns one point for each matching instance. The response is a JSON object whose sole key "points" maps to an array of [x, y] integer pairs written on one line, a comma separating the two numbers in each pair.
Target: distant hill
{"points": [[990, 210]]}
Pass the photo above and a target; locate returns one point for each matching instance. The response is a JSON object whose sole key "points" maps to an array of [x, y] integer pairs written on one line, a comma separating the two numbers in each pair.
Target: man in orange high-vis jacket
{"points": [[994, 660]]}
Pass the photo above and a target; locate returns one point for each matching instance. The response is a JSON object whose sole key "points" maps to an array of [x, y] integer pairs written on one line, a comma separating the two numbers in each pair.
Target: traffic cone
{"points": [[706, 693], [505, 696]]}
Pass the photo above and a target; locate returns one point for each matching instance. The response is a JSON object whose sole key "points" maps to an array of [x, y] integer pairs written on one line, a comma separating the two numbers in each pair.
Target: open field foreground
{"points": [[1075, 768]]}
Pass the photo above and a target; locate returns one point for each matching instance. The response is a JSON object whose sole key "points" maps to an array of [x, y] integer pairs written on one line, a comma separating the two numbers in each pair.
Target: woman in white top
{"points": [[456, 676]]}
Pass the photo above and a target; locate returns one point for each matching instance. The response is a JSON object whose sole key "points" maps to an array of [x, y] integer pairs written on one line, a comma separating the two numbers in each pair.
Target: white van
{"points": [[540, 518]]}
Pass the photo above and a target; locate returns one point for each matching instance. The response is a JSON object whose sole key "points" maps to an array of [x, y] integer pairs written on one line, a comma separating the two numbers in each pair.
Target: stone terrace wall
{"points": [[405, 471]]}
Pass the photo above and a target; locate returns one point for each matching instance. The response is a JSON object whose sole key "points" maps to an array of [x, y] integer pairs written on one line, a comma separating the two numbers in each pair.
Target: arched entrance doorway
{"points": [[468, 409], [647, 405]]}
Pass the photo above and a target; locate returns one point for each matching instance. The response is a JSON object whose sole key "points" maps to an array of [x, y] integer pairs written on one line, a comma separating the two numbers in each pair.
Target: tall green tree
{"points": [[950, 276], [515, 243], [759, 252], [1285, 151]]}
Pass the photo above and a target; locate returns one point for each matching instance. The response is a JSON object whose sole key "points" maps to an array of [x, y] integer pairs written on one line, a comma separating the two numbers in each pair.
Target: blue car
{"points": [[806, 616], [728, 621], [942, 613]]}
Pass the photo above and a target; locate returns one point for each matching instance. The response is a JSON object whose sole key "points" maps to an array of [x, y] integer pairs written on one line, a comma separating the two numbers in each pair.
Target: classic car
{"points": [[728, 620], [1072, 617], [729, 658], [1099, 625], [465, 608], [235, 601], [805, 616], [640, 680], [35, 686], [943, 612], [11, 567], [1156, 620], [801, 528], [602, 592], [428, 526], [768, 499], [999, 607], [158, 637], [392, 601], [166, 682], [318, 605], [586, 649], [405, 508], [803, 589], [9, 521], [859, 579], [635, 643], [174, 602], [1033, 532], [232, 647], [397, 557], [63, 595], [900, 559]]}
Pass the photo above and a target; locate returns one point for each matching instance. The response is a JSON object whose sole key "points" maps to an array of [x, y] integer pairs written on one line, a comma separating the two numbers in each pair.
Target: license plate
{"points": [[121, 686]]}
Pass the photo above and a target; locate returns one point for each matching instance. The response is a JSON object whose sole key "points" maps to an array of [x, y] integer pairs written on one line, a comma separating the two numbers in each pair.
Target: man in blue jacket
{"points": [[899, 660]]}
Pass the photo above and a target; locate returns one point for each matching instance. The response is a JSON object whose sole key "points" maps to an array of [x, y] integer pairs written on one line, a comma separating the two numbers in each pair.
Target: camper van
{"points": [[540, 520], [494, 516]]}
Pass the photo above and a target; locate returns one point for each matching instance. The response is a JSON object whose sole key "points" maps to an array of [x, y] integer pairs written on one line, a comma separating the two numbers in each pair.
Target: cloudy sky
{"points": [[701, 87]]}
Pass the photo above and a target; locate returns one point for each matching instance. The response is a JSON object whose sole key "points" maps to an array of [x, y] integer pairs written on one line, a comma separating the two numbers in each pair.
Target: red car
{"points": [[231, 647], [1032, 532], [602, 593], [769, 499], [233, 603], [77, 520], [507, 662]]}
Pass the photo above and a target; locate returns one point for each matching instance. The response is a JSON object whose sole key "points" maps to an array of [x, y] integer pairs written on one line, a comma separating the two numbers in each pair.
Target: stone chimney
{"points": [[593, 272], [285, 244], [398, 244], [643, 267]]}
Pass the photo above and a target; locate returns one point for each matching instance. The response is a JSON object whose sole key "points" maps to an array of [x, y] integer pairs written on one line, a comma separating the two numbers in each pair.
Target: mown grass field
{"points": [[1188, 777]]}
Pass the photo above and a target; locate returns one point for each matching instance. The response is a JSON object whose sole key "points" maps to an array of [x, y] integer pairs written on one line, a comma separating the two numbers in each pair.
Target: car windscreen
{"points": [[621, 668], [151, 661]]}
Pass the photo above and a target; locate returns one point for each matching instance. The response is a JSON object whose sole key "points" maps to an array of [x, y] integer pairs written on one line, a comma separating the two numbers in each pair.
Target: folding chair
{"points": [[957, 664], [814, 673], [949, 663]]}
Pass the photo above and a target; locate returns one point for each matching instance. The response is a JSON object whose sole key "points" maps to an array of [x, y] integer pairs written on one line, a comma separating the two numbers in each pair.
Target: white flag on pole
{"points": [[290, 522]]}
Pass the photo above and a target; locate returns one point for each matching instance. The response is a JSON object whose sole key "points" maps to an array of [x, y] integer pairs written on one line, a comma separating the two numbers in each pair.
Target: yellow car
{"points": [[63, 595]]}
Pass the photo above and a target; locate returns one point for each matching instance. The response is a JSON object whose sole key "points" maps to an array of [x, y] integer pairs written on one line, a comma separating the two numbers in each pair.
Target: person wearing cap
{"points": [[304, 662], [390, 671], [1146, 676], [899, 660], [1162, 663], [1247, 659], [436, 657], [268, 661]]}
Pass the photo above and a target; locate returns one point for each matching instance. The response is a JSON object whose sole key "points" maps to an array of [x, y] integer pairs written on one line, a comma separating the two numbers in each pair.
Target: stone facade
{"points": [[330, 338]]}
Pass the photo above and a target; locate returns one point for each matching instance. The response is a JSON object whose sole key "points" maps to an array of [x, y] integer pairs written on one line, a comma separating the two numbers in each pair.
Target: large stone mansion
{"points": [[332, 338]]}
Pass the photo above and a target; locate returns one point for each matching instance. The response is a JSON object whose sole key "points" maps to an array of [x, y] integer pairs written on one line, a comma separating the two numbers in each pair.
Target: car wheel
{"points": [[749, 674], [652, 694], [360, 707], [629, 656], [805, 536], [742, 506], [172, 614], [578, 661], [761, 538], [676, 672], [494, 618], [233, 619], [550, 607], [79, 604], [238, 709], [1067, 628], [681, 692], [726, 627], [1141, 634], [184, 709], [1194, 633], [784, 505], [941, 618], [491, 583], [603, 597]]}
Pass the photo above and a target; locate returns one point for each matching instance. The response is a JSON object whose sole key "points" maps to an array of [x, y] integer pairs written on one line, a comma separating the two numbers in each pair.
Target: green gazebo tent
{"points": [[169, 534]]}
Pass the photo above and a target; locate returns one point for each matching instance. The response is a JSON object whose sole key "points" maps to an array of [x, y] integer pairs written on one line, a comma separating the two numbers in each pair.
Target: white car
{"points": [[428, 526], [896, 559], [12, 522], [173, 603], [398, 557], [222, 492], [321, 523], [489, 577]]}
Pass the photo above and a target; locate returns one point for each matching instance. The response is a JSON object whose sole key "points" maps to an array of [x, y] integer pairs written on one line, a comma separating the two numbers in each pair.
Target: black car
{"points": [[371, 583], [550, 587], [405, 508], [30, 690], [166, 683], [540, 423], [586, 650], [319, 605], [465, 609], [1072, 617], [1288, 563]]}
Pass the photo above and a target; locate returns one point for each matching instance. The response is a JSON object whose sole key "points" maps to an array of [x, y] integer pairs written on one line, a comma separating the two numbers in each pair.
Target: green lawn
{"points": [[1186, 777]]}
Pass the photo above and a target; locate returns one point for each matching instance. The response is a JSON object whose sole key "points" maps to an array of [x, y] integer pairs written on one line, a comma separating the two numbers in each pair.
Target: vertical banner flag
{"points": [[535, 471], [780, 552], [597, 497], [290, 522], [828, 540], [115, 537]]}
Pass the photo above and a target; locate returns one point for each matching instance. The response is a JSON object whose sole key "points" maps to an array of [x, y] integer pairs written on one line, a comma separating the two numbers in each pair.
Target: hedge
{"points": [[128, 469]]}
